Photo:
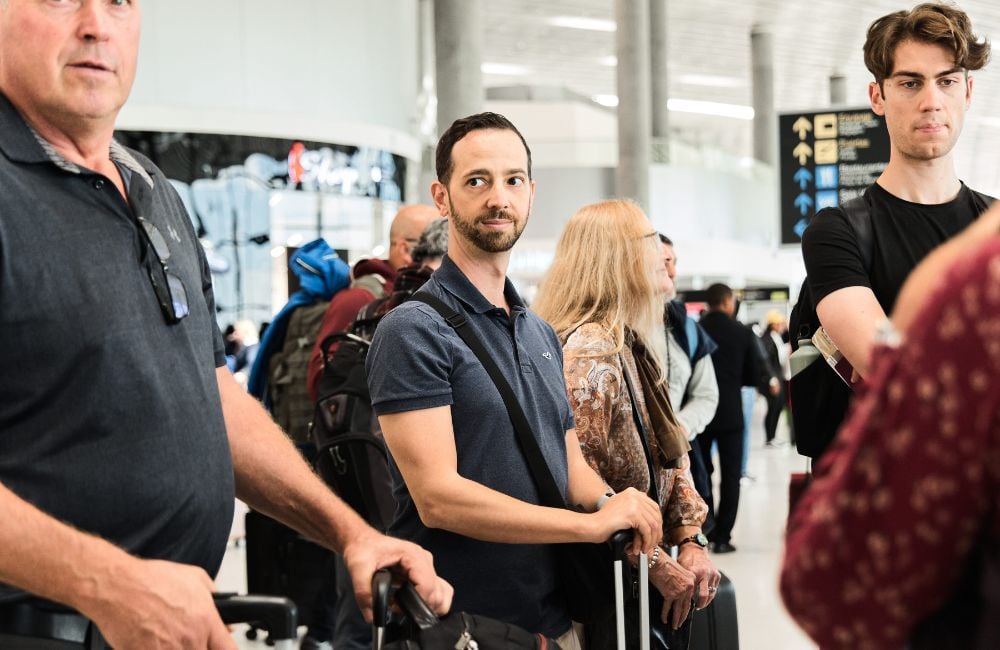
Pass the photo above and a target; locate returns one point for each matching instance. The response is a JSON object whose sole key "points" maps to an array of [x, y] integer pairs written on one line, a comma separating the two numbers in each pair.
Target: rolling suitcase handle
{"points": [[278, 616], [409, 602], [381, 590], [623, 572]]}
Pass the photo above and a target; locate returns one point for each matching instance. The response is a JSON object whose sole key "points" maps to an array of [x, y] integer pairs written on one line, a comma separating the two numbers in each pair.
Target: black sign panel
{"points": [[826, 158]]}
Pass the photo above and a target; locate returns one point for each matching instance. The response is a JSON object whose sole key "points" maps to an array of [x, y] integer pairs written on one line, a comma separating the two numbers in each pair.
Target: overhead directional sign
{"points": [[826, 158]]}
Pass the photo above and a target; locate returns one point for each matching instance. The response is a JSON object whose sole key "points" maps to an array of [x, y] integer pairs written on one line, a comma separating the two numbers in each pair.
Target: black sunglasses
{"points": [[169, 289]]}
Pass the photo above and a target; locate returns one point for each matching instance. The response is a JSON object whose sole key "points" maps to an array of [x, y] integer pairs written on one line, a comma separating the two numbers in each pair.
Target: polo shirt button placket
{"points": [[99, 184]]}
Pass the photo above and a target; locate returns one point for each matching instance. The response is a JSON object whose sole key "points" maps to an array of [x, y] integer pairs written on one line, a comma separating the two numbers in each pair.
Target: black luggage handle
{"points": [[406, 597], [277, 615]]}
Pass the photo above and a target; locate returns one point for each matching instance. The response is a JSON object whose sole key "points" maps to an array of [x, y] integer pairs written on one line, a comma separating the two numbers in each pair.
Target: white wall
{"points": [[327, 70], [564, 133]]}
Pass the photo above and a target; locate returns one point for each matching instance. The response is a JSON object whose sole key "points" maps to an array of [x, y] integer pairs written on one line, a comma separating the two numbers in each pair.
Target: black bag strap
{"points": [[547, 489], [654, 491], [859, 216], [982, 201]]}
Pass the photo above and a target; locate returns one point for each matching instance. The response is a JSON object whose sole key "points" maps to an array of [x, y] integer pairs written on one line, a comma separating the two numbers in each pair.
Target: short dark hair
{"points": [[935, 23], [463, 127], [664, 239], [717, 294]]}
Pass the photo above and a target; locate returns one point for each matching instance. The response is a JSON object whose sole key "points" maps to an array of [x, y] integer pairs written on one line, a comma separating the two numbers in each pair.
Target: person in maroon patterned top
{"points": [[898, 543]]}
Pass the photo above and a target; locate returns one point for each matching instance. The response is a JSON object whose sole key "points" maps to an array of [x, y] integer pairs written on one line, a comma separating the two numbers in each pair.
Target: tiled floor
{"points": [[753, 568]]}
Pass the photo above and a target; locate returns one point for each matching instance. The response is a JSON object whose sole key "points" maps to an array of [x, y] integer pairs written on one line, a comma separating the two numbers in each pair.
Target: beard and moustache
{"points": [[489, 241]]}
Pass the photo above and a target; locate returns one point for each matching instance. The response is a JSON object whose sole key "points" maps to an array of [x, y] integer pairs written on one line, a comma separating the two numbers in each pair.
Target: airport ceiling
{"points": [[526, 43]]}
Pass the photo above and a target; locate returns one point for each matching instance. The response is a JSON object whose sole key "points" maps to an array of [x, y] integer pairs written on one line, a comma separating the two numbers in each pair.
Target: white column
{"points": [[634, 120]]}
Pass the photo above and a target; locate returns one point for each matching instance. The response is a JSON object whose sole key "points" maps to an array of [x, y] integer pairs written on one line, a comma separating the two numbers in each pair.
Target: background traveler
{"points": [[603, 295], [736, 364]]}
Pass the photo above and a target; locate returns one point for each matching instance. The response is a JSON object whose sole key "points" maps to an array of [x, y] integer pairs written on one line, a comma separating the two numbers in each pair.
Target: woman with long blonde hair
{"points": [[604, 296]]}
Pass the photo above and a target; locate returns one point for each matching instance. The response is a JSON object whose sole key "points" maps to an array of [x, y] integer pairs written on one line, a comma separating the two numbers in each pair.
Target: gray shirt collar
{"points": [[117, 153]]}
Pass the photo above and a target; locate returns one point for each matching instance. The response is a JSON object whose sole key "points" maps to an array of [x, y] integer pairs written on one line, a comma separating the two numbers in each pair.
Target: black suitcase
{"points": [[281, 562], [715, 627]]}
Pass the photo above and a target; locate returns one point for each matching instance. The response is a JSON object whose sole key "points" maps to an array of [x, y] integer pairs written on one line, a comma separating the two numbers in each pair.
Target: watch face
{"points": [[701, 540]]}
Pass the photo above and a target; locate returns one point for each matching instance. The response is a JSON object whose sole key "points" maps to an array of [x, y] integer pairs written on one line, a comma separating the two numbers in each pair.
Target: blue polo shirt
{"points": [[417, 361]]}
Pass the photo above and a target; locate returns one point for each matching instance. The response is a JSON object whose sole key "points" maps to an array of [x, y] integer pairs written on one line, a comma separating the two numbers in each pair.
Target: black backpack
{"points": [[819, 398], [351, 454]]}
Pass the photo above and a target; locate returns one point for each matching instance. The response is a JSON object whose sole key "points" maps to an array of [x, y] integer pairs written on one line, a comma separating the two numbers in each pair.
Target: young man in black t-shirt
{"points": [[921, 61]]}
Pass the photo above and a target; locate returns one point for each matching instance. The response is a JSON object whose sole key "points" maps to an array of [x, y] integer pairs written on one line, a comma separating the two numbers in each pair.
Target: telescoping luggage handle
{"points": [[408, 600], [619, 542], [278, 616]]}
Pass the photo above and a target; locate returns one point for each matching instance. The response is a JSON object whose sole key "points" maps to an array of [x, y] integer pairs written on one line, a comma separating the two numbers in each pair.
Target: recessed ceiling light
{"points": [[716, 109], [606, 100], [508, 69], [610, 60], [712, 81], [579, 22]]}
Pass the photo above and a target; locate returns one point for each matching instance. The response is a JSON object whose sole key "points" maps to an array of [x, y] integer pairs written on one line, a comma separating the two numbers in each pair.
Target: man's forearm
{"points": [[585, 486], [272, 477], [851, 316], [46, 557], [468, 508]]}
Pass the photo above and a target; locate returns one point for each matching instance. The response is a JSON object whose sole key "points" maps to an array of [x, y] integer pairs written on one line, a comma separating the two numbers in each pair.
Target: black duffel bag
{"points": [[416, 627]]}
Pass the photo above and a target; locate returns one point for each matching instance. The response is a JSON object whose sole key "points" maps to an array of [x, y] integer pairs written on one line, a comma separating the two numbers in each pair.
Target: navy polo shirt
{"points": [[110, 419], [417, 361]]}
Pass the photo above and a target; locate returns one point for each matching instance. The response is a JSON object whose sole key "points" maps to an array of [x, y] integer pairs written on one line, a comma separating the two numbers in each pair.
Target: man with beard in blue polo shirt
{"points": [[466, 493]]}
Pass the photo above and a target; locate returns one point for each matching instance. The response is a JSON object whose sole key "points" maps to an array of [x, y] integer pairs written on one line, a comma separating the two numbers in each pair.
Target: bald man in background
{"points": [[371, 279]]}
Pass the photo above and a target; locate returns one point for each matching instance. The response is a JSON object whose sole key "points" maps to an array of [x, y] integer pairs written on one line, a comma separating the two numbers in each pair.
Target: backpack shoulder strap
{"points": [[982, 201], [547, 489], [691, 329], [859, 216]]}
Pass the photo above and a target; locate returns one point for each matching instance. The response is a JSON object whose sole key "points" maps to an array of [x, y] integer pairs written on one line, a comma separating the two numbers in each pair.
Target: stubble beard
{"points": [[487, 241]]}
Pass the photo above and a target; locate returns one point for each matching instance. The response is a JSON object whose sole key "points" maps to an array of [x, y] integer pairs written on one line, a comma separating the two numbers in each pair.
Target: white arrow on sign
{"points": [[802, 126], [802, 151]]}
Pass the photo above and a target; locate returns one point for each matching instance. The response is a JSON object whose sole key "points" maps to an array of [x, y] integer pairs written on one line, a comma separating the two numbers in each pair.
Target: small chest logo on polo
{"points": [[547, 355], [173, 234]]}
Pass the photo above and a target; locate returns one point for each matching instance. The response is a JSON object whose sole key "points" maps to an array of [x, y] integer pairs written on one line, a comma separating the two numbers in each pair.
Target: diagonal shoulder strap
{"points": [[982, 201], [859, 215], [547, 489], [654, 491]]}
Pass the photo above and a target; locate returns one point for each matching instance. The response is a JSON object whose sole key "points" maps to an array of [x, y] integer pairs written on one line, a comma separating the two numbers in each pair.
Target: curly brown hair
{"points": [[931, 22]]}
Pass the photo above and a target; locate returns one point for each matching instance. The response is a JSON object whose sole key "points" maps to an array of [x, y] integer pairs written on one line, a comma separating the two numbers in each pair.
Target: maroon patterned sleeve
{"points": [[879, 541]]}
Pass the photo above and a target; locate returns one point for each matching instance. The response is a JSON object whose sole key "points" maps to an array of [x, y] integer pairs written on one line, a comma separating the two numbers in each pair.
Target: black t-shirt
{"points": [[903, 234], [110, 419]]}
